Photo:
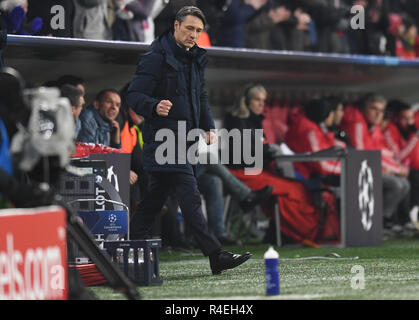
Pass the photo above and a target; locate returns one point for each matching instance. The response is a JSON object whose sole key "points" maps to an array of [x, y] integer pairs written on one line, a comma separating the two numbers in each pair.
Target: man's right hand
{"points": [[163, 108]]}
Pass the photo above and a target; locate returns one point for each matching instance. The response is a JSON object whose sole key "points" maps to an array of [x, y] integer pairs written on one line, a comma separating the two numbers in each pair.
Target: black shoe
{"points": [[227, 260], [256, 197]]}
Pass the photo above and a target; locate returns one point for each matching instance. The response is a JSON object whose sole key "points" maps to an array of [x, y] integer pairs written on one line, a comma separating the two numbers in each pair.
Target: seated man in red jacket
{"points": [[310, 132], [299, 215], [363, 128], [401, 135]]}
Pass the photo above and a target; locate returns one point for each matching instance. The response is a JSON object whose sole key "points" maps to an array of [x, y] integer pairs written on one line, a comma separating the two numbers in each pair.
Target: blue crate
{"points": [[139, 259]]}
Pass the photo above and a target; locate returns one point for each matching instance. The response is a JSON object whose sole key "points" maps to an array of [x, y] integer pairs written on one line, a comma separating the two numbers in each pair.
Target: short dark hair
{"points": [[70, 79], [72, 93], [372, 97], [102, 93], [319, 109], [190, 11], [397, 106]]}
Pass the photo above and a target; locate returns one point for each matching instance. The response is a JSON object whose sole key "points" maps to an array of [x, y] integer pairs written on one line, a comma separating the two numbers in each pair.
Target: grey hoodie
{"points": [[90, 20]]}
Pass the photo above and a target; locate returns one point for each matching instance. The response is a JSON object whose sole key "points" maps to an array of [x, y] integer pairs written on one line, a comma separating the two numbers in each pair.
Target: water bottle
{"points": [[272, 274], [180, 221]]}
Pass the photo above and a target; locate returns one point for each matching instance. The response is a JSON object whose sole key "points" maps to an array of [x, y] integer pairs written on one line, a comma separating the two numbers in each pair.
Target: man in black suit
{"points": [[169, 89]]}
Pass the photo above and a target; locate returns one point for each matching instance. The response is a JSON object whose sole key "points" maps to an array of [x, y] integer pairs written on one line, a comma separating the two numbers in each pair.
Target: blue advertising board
{"points": [[105, 222]]}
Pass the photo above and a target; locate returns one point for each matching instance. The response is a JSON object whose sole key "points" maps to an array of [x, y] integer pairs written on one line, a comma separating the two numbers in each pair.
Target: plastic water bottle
{"points": [[180, 220], [272, 274]]}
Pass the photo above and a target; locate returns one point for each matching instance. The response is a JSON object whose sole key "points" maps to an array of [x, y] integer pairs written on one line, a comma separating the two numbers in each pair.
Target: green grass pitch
{"points": [[390, 271]]}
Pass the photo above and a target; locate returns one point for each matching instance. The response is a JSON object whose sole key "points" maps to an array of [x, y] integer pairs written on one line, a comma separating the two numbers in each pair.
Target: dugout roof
{"points": [[111, 64]]}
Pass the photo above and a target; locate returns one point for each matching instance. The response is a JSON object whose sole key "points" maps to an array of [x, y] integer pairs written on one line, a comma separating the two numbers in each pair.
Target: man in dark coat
{"points": [[168, 90]]}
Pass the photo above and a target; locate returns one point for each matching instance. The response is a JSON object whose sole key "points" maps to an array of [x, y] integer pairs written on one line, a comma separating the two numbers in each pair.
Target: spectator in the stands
{"points": [[91, 20], [149, 32], [363, 127], [75, 96], [402, 137], [411, 7], [98, 122], [331, 21], [233, 29], [261, 26], [131, 19], [291, 31], [373, 39], [57, 22], [214, 10], [405, 40], [165, 19], [16, 18]]}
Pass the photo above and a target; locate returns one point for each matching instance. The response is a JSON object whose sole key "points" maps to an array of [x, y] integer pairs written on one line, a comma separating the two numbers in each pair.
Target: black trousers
{"points": [[186, 191]]}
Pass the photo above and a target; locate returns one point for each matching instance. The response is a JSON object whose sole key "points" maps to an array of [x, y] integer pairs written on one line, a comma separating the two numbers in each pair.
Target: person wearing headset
{"points": [[299, 216]]}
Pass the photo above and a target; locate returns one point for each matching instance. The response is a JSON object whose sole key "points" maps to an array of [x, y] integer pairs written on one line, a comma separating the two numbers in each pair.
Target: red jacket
{"points": [[363, 138], [307, 136], [407, 151]]}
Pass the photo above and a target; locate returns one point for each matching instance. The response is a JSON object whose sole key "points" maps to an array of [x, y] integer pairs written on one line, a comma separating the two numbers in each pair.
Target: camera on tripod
{"points": [[44, 145]]}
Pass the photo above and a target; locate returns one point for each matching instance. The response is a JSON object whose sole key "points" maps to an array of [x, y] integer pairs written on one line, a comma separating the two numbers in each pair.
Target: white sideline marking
{"points": [[279, 297]]}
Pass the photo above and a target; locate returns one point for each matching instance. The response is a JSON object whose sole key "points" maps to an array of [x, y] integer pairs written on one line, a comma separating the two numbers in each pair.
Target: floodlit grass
{"points": [[391, 272]]}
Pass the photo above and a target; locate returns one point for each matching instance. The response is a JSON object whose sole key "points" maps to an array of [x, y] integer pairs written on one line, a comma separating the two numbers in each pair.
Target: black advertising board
{"points": [[118, 168], [364, 199]]}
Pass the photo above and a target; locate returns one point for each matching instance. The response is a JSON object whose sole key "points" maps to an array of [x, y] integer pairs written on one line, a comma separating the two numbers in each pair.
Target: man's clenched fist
{"points": [[163, 108]]}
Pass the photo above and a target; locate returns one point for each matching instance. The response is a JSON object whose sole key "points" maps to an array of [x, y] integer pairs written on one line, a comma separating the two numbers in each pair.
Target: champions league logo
{"points": [[366, 195], [112, 218]]}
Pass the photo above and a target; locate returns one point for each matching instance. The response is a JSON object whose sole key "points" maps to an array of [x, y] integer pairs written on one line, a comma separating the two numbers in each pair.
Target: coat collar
{"points": [[103, 123], [256, 119]]}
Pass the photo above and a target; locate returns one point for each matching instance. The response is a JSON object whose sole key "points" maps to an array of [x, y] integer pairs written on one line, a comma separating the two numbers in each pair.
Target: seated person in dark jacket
{"points": [[98, 123], [75, 96]]}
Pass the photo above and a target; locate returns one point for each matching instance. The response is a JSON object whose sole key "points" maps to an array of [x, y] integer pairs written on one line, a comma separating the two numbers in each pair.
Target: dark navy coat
{"points": [[164, 74]]}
